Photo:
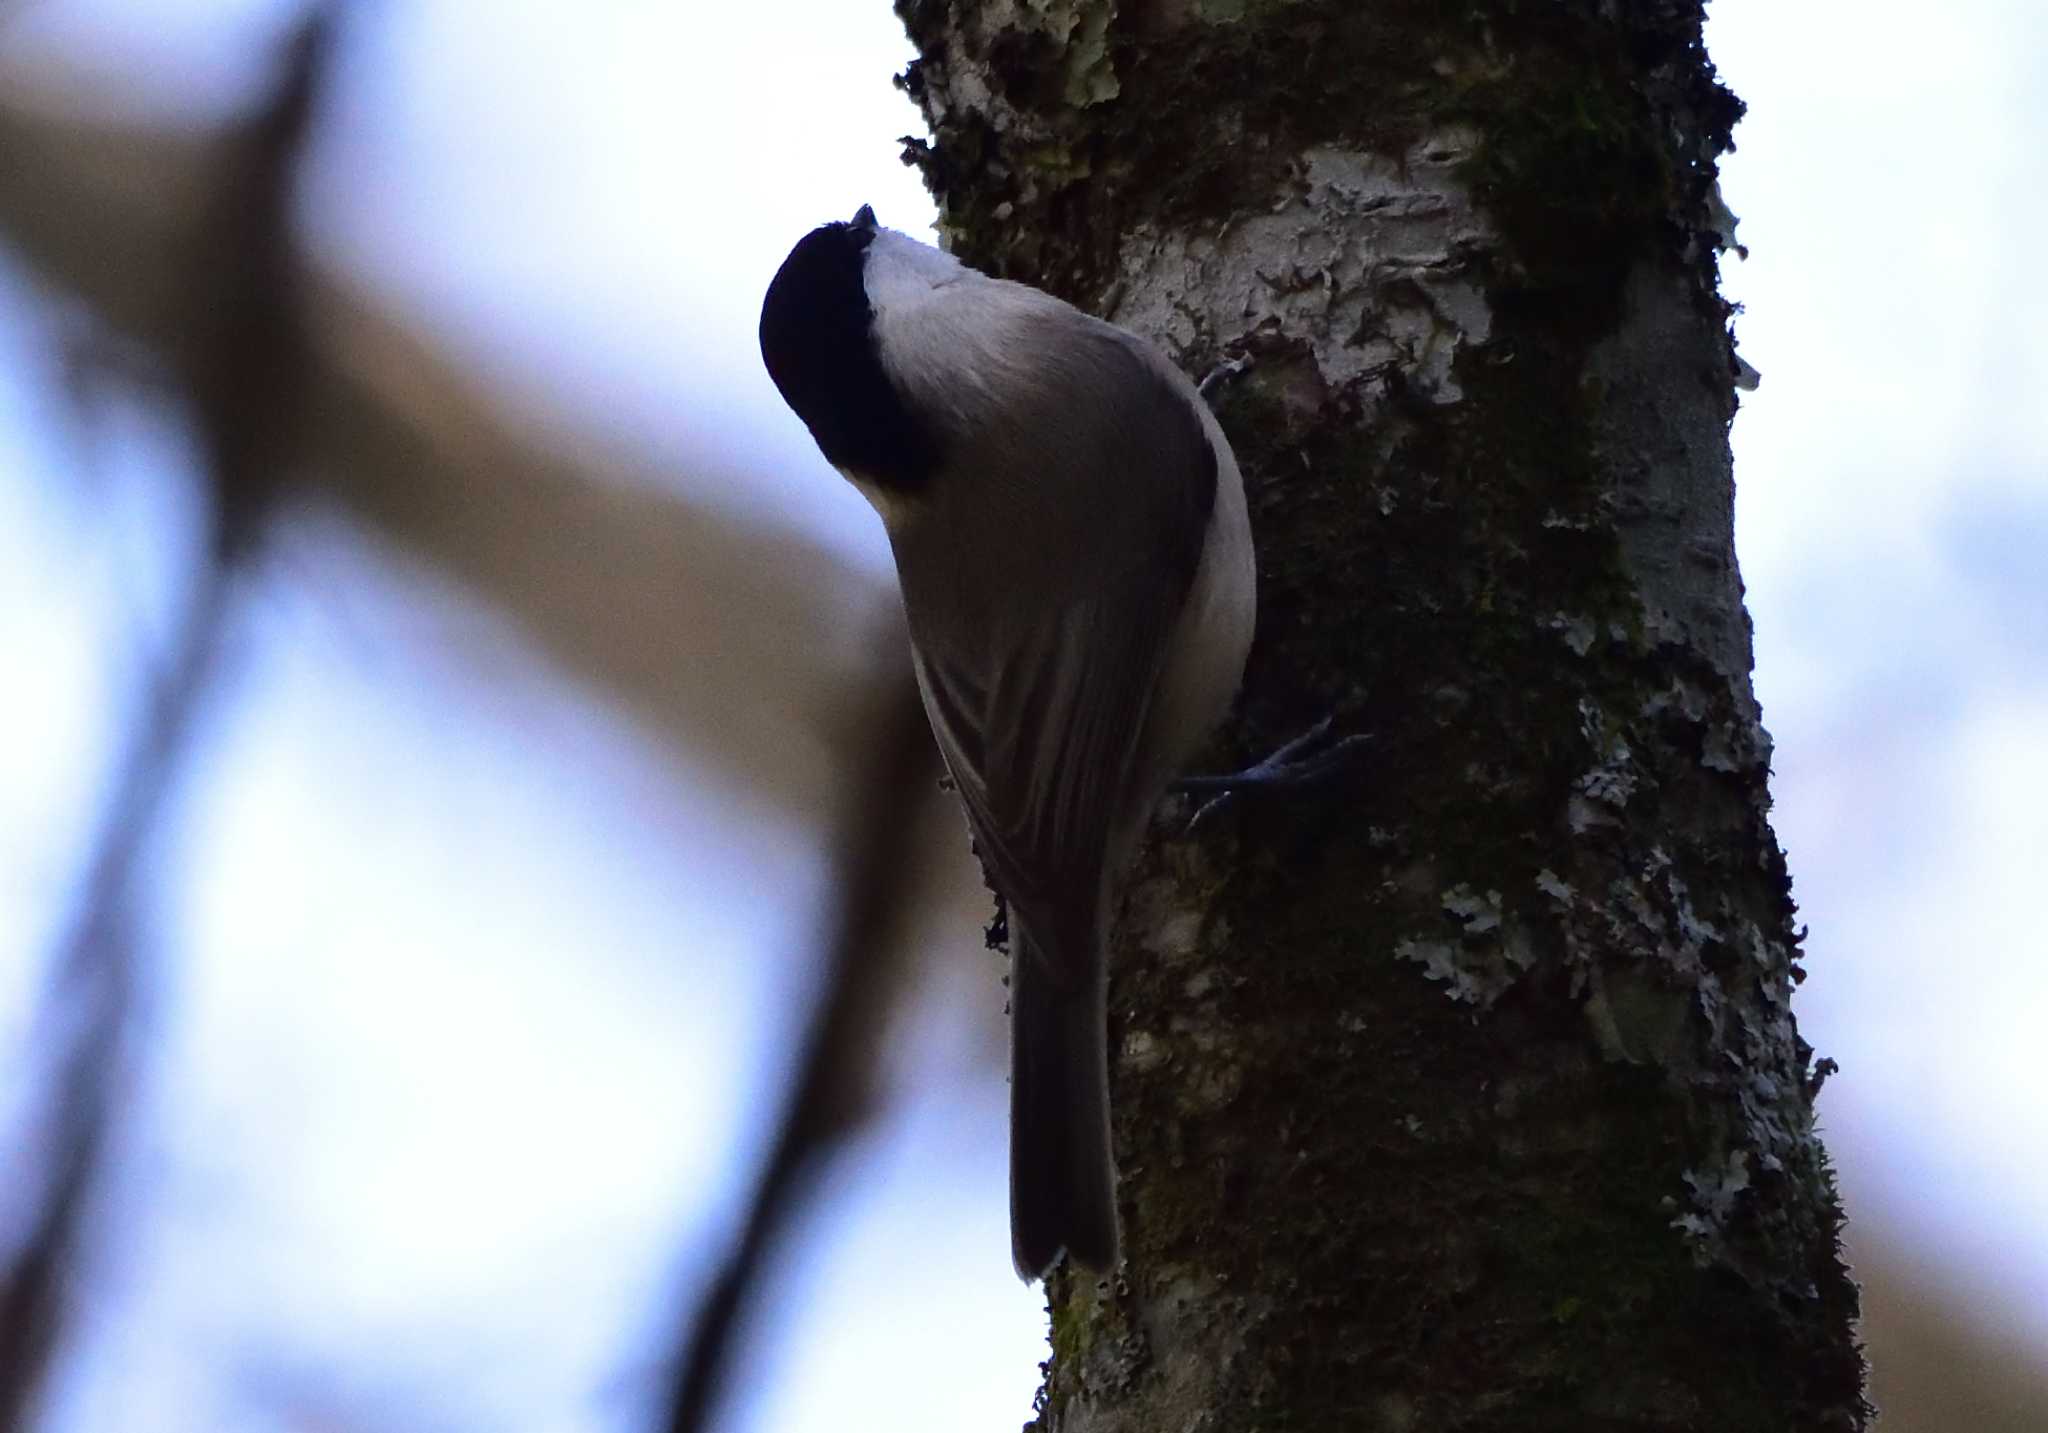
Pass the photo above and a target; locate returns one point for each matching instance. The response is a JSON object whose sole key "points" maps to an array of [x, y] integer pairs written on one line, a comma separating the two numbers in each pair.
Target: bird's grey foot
{"points": [[1308, 760], [1221, 374]]}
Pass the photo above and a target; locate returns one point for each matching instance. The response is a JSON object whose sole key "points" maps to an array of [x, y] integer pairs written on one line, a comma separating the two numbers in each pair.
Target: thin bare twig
{"points": [[875, 875], [241, 365], [96, 983]]}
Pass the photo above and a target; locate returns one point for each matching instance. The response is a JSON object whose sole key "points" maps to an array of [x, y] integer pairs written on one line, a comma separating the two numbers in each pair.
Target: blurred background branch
{"points": [[182, 248], [875, 873], [752, 640], [242, 351]]}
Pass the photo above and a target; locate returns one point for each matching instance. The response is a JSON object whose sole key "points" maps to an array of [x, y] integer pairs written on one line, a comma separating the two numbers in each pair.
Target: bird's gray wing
{"points": [[1041, 745], [1062, 541]]}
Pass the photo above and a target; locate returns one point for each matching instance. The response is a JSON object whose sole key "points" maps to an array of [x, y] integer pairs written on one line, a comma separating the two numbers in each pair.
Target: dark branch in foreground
{"points": [[875, 876], [92, 1006], [240, 371]]}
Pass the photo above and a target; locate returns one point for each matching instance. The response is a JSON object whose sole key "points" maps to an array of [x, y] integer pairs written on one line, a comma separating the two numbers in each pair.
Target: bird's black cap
{"points": [[818, 342]]}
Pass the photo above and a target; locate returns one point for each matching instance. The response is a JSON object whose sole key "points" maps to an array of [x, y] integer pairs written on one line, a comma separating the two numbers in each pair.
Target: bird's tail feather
{"points": [[1062, 1176]]}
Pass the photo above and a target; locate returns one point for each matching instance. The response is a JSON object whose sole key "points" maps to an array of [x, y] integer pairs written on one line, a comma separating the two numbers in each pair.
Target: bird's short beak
{"points": [[865, 219]]}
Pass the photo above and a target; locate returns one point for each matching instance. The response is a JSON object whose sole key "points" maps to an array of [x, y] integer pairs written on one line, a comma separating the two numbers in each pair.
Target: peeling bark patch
{"points": [[1399, 294], [1662, 433]]}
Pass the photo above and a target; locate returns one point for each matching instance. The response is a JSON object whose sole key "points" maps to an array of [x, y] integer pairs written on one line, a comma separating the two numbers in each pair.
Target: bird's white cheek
{"points": [[890, 505]]}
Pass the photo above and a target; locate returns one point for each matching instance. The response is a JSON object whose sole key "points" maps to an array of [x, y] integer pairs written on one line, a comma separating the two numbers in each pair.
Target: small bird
{"points": [[1070, 536]]}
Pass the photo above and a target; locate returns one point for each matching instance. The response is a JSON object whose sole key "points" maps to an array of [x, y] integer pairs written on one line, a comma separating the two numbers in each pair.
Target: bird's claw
{"points": [[1295, 765], [1221, 374]]}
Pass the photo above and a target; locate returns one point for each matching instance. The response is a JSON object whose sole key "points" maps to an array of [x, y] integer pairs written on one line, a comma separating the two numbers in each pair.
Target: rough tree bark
{"points": [[1471, 1098]]}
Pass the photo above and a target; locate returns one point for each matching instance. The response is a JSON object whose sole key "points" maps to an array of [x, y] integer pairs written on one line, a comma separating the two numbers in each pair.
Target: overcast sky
{"points": [[425, 1137]]}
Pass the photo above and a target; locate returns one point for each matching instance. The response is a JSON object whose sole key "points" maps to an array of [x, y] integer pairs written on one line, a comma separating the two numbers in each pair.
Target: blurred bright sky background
{"points": [[460, 1051]]}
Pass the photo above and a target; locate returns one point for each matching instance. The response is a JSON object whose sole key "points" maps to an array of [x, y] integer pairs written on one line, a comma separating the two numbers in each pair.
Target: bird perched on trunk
{"points": [[1069, 531]]}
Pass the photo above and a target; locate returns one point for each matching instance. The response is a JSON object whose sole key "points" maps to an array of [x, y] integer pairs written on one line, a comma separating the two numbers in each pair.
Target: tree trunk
{"points": [[1468, 1097]]}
